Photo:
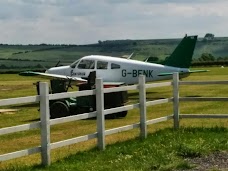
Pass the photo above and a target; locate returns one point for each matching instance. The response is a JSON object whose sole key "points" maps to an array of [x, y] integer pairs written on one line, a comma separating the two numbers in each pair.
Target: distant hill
{"points": [[44, 55]]}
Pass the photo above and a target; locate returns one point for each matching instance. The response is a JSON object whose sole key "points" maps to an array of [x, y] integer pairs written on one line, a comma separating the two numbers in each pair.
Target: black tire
{"points": [[59, 109]]}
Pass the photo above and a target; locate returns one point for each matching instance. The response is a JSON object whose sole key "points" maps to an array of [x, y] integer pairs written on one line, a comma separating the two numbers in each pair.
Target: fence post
{"points": [[142, 106], [45, 123], [100, 114], [176, 99]]}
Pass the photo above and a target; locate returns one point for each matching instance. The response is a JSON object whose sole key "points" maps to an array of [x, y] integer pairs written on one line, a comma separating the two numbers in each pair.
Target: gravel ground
{"points": [[217, 161]]}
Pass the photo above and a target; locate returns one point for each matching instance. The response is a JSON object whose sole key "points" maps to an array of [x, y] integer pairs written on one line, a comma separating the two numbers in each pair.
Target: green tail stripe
{"points": [[171, 73], [182, 55]]}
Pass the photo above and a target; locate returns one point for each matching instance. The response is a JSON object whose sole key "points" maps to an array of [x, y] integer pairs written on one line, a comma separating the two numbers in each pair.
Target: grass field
{"points": [[158, 152]]}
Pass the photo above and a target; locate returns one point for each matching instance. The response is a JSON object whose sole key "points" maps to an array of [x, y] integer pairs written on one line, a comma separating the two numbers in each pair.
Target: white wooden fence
{"points": [[45, 123]]}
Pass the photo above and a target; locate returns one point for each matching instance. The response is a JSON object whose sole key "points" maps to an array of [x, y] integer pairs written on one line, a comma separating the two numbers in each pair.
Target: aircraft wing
{"points": [[50, 76], [77, 79], [189, 72]]}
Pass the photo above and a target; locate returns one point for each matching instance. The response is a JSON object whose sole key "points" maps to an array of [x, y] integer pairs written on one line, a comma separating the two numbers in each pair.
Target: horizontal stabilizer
{"points": [[195, 71]]}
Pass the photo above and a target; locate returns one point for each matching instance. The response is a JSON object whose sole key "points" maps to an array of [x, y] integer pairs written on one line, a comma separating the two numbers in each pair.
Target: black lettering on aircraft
{"points": [[77, 73], [124, 74], [136, 73]]}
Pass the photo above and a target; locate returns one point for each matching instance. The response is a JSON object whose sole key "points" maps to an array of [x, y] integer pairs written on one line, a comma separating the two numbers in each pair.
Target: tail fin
{"points": [[182, 55]]}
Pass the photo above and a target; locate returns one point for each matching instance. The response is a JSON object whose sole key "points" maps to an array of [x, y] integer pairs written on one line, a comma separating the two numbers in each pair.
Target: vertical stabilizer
{"points": [[182, 55]]}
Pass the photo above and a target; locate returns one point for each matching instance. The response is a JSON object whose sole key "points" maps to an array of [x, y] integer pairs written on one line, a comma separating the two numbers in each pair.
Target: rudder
{"points": [[182, 55]]}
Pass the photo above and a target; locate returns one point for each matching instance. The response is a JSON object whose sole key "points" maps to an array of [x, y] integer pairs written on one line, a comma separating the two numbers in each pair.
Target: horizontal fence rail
{"points": [[21, 153], [13, 101], [45, 123], [73, 140], [19, 128], [71, 94]]}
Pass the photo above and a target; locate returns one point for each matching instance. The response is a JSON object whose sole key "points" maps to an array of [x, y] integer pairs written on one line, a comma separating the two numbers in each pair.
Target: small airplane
{"points": [[117, 71]]}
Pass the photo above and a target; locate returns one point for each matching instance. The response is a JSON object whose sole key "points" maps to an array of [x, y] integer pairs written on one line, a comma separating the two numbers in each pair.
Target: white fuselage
{"points": [[113, 69]]}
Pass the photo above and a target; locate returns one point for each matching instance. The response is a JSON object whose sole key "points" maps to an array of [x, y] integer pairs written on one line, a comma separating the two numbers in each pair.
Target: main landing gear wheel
{"points": [[59, 109]]}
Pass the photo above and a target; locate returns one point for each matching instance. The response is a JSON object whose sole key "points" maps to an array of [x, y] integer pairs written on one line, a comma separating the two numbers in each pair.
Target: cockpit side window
{"points": [[73, 65], [102, 65], [115, 66], [86, 64]]}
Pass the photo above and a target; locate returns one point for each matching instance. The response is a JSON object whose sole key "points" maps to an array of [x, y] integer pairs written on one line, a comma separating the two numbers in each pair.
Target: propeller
{"points": [[44, 67], [69, 84]]}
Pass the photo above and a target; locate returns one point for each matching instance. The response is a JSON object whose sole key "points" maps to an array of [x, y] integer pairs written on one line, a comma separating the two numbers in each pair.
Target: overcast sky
{"points": [[87, 21]]}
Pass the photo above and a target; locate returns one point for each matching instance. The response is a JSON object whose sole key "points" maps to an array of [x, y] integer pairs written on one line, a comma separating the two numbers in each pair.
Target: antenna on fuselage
{"points": [[57, 64], [129, 57]]}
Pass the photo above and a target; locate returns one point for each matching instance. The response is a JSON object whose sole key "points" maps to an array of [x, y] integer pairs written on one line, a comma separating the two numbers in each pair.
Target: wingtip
{"points": [[23, 73], [27, 73]]}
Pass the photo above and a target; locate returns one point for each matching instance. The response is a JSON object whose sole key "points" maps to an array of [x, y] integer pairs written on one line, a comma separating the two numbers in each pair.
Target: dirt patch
{"points": [[8, 111], [217, 161], [5, 89]]}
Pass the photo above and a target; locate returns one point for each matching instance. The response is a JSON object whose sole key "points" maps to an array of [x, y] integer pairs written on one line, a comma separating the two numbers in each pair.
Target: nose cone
{"points": [[62, 70]]}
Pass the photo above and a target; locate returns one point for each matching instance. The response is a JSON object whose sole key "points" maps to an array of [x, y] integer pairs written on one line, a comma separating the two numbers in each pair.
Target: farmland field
{"points": [[32, 57], [12, 85]]}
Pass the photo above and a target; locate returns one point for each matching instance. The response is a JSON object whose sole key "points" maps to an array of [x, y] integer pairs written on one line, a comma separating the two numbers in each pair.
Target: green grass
{"points": [[207, 131], [13, 85], [163, 150]]}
